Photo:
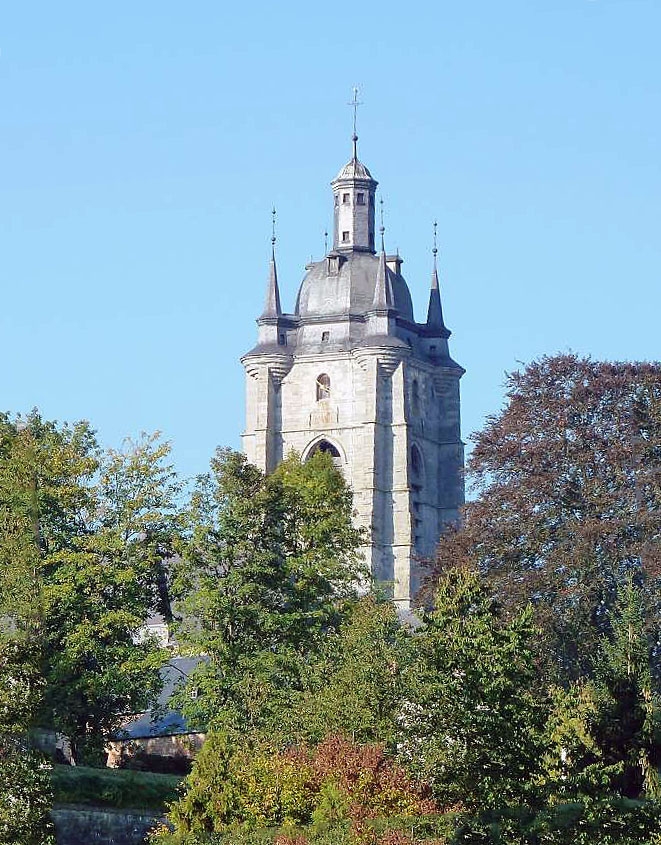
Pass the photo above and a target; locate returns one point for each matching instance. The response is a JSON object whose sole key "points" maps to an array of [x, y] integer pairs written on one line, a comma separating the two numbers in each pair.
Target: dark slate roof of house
{"points": [[175, 672]]}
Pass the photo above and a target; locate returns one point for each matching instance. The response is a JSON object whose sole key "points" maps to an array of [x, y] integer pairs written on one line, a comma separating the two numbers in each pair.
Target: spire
{"points": [[383, 290], [435, 312], [272, 304]]}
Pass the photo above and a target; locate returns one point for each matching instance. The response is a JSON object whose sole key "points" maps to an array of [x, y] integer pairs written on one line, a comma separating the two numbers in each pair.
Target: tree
{"points": [[82, 534], [139, 496], [568, 496], [609, 726], [100, 591], [25, 793], [356, 685], [473, 726], [270, 567]]}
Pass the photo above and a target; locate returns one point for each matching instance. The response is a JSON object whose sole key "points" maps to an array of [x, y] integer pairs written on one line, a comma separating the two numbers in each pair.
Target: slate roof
{"points": [[171, 722], [351, 290]]}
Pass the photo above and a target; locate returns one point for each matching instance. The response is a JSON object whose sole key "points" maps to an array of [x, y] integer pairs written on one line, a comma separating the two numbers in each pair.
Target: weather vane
{"points": [[273, 238], [435, 249]]}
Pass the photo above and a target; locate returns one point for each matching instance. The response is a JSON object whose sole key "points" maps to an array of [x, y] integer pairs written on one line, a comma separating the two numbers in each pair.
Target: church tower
{"points": [[351, 373]]}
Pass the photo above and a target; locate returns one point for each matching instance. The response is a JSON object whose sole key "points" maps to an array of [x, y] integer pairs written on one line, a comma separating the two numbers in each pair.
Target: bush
{"points": [[25, 796], [340, 787]]}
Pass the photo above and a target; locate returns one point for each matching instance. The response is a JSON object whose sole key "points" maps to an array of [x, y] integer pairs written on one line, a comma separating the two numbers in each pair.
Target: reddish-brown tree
{"points": [[567, 495]]}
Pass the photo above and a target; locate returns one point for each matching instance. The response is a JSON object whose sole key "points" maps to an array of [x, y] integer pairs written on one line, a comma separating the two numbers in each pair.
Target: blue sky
{"points": [[142, 146]]}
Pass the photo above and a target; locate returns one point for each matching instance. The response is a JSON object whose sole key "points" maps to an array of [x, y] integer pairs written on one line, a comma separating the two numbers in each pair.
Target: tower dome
{"points": [[344, 283], [354, 169]]}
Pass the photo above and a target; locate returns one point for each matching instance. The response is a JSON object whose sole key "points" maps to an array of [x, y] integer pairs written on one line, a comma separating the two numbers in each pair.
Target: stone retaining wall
{"points": [[76, 825]]}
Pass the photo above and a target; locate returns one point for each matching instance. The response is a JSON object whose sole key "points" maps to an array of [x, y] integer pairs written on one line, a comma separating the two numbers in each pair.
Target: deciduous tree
{"points": [[356, 686], [80, 550], [271, 565], [568, 496]]}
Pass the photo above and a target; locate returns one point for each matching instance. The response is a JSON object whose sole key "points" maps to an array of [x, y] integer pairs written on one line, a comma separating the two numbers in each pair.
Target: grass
{"points": [[115, 788]]}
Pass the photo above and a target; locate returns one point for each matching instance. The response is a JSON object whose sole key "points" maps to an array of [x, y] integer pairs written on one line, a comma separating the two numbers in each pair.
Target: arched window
{"points": [[323, 387], [329, 449]]}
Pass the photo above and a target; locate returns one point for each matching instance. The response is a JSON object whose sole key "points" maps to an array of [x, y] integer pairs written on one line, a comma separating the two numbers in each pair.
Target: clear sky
{"points": [[143, 144]]}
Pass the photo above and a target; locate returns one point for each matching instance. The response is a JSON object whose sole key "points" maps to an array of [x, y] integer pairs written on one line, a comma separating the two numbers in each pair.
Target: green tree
{"points": [[356, 685], [474, 721], [100, 591], [139, 495], [567, 497], [82, 534], [609, 727], [25, 793], [270, 568], [627, 721]]}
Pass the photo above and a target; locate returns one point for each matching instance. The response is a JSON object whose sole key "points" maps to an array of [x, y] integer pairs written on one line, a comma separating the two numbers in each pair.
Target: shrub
{"points": [[339, 786]]}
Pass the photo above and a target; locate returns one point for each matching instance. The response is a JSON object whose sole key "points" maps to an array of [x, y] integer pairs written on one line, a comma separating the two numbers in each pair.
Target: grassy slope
{"points": [[116, 788]]}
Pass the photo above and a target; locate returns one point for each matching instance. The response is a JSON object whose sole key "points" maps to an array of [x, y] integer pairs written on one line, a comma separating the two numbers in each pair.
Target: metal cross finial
{"points": [[273, 238], [355, 103]]}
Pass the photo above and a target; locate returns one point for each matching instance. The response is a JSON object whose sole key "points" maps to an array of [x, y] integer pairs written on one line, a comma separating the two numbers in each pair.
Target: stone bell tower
{"points": [[351, 373]]}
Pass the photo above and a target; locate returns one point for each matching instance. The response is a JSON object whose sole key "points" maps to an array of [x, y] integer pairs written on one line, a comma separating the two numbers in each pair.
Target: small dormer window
{"points": [[325, 337], [360, 199], [345, 237], [345, 199]]}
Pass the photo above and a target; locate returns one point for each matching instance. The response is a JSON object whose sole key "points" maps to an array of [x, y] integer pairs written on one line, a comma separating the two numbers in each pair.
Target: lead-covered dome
{"points": [[353, 169], [345, 284]]}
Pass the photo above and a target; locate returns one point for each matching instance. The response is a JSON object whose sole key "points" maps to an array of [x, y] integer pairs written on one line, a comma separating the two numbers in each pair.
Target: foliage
{"points": [[100, 589], [609, 728], [25, 796], [356, 686], [614, 821], [80, 552], [627, 724], [475, 717], [568, 497], [339, 785], [268, 573]]}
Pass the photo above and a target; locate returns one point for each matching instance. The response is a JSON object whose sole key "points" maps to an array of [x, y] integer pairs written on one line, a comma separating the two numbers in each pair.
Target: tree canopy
{"points": [[80, 551], [271, 564], [567, 496]]}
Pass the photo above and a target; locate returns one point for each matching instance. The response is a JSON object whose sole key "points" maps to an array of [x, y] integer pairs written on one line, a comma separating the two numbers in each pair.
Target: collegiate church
{"points": [[350, 372]]}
